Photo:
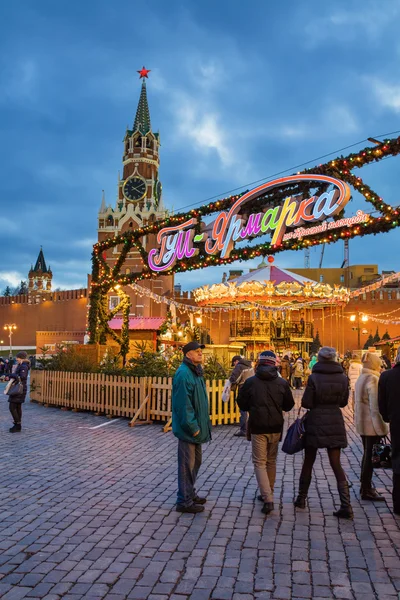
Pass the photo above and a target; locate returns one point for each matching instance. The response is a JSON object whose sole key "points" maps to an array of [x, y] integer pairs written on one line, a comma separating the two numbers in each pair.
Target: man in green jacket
{"points": [[190, 424]]}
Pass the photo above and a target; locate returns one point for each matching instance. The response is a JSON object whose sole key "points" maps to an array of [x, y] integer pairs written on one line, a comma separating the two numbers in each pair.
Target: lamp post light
{"points": [[10, 327], [356, 318]]}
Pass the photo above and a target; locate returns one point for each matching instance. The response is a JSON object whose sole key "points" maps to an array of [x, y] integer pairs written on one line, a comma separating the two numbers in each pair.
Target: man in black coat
{"points": [[264, 397], [389, 407]]}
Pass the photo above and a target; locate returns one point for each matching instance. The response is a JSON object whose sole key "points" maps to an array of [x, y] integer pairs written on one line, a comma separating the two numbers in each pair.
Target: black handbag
{"points": [[16, 389], [295, 435], [382, 454]]}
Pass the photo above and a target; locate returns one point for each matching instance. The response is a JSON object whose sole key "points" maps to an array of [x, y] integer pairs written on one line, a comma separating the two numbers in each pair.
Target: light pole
{"points": [[354, 318], [10, 327]]}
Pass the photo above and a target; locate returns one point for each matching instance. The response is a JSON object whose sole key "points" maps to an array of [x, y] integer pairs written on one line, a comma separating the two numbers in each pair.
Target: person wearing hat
{"points": [[265, 396], [326, 393], [190, 424], [368, 420], [16, 402], [389, 407], [242, 370]]}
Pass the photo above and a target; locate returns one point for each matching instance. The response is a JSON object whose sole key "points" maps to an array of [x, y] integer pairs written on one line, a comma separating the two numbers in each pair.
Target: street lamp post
{"points": [[10, 327], [356, 318]]}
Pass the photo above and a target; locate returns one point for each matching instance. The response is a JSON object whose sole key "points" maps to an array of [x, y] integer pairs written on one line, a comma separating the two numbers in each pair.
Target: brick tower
{"points": [[40, 277], [139, 202]]}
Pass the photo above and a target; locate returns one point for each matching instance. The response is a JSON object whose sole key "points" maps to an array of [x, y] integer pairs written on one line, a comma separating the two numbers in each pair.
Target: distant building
{"points": [[354, 276]]}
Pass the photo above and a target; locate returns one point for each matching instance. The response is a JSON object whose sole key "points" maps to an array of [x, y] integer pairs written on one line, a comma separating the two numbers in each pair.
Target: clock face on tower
{"points": [[134, 189]]}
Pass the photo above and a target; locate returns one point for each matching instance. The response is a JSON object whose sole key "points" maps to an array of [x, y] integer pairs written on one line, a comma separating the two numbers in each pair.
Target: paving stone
{"points": [[107, 528]]}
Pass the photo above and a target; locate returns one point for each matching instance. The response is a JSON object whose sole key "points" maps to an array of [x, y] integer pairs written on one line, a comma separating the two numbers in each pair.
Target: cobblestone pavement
{"points": [[89, 513]]}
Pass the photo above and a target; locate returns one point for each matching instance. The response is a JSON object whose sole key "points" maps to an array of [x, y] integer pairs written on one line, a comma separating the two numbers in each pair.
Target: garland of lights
{"points": [[376, 320], [141, 291], [376, 285], [104, 278], [385, 314]]}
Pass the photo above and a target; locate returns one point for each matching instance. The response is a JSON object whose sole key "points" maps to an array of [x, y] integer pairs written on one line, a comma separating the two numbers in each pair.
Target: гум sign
{"points": [[180, 242]]}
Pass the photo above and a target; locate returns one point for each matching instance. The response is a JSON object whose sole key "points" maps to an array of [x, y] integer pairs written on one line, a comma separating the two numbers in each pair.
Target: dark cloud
{"points": [[237, 93]]}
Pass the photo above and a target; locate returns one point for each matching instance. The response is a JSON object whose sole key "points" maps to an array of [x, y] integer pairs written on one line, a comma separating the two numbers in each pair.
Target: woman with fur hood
{"points": [[368, 420]]}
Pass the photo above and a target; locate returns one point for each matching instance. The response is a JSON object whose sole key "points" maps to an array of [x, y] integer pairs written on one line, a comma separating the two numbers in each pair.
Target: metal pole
{"points": [[358, 331]]}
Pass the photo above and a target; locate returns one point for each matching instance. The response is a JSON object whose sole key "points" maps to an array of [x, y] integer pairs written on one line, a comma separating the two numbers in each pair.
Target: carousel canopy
{"points": [[272, 273], [273, 286]]}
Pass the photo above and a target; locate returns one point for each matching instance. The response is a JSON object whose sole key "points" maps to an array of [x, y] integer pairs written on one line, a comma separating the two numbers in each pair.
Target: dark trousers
{"points": [[396, 493], [366, 463], [297, 382], [243, 421], [189, 462], [16, 412]]}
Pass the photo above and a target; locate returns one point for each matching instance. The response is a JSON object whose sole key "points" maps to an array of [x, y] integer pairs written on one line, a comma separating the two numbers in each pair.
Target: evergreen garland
{"points": [[104, 278]]}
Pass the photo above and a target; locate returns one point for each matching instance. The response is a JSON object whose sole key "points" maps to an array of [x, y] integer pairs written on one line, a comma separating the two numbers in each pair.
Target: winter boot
{"points": [[267, 508], [370, 493], [15, 428], [304, 484], [345, 511]]}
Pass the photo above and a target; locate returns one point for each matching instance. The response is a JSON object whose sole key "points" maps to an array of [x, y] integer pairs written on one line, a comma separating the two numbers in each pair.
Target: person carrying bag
{"points": [[369, 423], [326, 393], [18, 389]]}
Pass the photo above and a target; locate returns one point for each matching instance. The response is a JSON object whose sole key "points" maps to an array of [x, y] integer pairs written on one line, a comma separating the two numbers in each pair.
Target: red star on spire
{"points": [[143, 73]]}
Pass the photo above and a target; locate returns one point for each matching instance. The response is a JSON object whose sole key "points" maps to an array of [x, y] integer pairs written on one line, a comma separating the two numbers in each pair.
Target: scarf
{"points": [[198, 369]]}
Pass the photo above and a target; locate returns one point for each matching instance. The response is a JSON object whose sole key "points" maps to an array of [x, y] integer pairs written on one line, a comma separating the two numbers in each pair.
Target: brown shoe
{"points": [[193, 508], [372, 495], [198, 500]]}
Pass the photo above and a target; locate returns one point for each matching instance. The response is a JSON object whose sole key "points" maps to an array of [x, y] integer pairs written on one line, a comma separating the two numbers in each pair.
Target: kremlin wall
{"points": [[48, 318]]}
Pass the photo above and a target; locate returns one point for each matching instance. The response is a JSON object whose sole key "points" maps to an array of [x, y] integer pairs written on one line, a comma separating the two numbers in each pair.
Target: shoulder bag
{"points": [[295, 435], [14, 388], [382, 454]]}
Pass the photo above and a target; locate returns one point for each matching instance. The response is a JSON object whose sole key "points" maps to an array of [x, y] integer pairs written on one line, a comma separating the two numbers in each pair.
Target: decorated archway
{"points": [[295, 212]]}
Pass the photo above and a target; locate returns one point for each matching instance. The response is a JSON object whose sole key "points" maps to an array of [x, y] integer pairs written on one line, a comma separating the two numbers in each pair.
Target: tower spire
{"points": [[103, 207], [40, 263], [142, 119]]}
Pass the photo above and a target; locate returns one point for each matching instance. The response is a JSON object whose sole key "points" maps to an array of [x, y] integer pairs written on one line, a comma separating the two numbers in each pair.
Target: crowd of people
{"points": [[264, 393], [6, 367]]}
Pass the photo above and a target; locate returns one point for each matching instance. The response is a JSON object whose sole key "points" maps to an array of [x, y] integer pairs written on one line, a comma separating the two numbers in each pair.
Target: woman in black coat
{"points": [[326, 393], [16, 402]]}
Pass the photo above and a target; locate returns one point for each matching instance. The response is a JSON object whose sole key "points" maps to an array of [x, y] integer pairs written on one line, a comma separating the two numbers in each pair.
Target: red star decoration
{"points": [[143, 72]]}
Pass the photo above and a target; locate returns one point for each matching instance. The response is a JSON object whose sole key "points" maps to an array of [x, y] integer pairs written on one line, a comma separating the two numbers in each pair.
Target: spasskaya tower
{"points": [[138, 203]]}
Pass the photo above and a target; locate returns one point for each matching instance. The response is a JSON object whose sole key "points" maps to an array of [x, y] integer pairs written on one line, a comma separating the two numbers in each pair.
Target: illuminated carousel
{"points": [[273, 308]]}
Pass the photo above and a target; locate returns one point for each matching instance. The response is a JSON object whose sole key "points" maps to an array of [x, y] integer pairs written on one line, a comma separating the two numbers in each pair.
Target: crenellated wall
{"points": [[60, 311]]}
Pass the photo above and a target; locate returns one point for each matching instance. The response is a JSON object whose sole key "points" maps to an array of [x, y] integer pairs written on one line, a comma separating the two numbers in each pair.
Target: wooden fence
{"points": [[142, 399]]}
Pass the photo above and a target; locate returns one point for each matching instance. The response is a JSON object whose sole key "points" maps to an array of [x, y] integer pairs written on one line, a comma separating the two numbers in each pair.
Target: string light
{"points": [[104, 277]]}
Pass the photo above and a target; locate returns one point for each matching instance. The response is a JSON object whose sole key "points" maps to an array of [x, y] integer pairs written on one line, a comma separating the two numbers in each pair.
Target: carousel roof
{"points": [[272, 273], [270, 285]]}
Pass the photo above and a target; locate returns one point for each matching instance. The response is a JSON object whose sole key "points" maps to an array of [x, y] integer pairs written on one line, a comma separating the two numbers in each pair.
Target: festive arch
{"points": [[299, 211]]}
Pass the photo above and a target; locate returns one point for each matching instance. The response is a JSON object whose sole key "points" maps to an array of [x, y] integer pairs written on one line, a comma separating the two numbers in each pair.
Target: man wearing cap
{"points": [[242, 370], [265, 396], [190, 424], [16, 402], [389, 407]]}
